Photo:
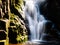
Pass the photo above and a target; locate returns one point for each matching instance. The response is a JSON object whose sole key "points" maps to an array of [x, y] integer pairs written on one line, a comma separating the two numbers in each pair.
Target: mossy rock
{"points": [[18, 29]]}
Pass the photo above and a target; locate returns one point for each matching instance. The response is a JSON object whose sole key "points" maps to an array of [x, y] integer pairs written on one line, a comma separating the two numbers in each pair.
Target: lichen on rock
{"points": [[17, 29]]}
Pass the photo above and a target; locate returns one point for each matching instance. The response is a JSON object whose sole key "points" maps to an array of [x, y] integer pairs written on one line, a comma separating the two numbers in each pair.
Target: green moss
{"points": [[16, 24], [17, 27]]}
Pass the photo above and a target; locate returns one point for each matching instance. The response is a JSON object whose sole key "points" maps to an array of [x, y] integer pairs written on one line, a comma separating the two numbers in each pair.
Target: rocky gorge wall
{"points": [[17, 29], [18, 32]]}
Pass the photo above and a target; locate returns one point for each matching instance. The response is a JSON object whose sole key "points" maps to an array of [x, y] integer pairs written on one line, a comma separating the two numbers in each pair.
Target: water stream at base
{"points": [[35, 19]]}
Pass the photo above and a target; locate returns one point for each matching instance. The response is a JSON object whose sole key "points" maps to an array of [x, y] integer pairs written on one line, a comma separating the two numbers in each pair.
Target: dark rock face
{"points": [[51, 11]]}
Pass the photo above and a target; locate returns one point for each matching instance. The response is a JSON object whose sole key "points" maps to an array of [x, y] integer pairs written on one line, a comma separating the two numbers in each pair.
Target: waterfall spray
{"points": [[35, 19]]}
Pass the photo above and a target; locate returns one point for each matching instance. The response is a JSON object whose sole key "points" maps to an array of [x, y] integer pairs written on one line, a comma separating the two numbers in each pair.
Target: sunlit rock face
{"points": [[17, 29], [17, 7]]}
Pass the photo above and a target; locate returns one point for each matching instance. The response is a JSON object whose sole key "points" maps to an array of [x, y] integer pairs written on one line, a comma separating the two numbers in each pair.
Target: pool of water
{"points": [[42, 43]]}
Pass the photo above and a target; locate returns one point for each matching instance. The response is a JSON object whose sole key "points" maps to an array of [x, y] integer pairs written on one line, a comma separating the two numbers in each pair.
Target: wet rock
{"points": [[50, 9]]}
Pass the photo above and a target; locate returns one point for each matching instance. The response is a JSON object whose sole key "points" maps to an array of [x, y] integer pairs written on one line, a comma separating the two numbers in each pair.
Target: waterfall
{"points": [[35, 19]]}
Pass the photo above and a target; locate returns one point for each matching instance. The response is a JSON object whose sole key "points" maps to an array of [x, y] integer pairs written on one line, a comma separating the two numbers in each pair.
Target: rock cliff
{"points": [[17, 29]]}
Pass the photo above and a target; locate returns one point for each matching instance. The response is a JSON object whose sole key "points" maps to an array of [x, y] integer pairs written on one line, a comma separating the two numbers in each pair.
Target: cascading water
{"points": [[35, 19]]}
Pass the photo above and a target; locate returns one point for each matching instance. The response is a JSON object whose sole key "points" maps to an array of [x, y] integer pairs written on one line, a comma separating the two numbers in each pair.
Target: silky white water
{"points": [[35, 19]]}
